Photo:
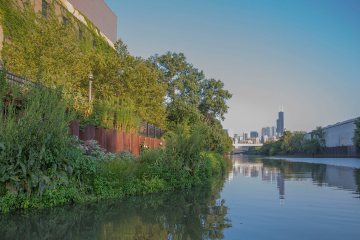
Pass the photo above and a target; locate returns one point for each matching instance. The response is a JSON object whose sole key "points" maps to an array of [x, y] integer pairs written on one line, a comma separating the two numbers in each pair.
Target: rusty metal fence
{"points": [[115, 141]]}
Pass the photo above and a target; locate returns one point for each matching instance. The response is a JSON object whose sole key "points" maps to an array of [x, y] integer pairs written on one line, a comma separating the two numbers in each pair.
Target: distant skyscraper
{"points": [[266, 131], [254, 134], [246, 136], [280, 123], [273, 131]]}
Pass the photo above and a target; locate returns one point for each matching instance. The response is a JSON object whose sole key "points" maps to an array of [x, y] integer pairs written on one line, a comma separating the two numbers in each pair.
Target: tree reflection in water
{"points": [[357, 179], [192, 214], [342, 177]]}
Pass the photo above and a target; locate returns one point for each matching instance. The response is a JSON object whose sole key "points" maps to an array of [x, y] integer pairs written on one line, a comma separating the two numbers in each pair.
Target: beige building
{"points": [[100, 14]]}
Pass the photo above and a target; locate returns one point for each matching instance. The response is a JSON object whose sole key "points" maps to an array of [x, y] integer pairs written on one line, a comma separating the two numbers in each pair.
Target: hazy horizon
{"points": [[304, 55]]}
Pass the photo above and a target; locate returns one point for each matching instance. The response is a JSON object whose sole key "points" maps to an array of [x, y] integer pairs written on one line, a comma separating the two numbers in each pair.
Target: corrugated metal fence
{"points": [[115, 141]]}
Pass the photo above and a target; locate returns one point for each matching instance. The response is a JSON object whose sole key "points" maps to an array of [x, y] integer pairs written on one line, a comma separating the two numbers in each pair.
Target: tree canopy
{"points": [[295, 143], [193, 99]]}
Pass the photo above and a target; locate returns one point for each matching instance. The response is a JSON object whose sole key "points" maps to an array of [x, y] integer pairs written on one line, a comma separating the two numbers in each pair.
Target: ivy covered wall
{"points": [[60, 51]]}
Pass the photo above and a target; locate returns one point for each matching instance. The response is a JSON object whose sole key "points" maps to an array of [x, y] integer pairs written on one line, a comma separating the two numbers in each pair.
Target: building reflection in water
{"points": [[279, 171], [256, 170]]}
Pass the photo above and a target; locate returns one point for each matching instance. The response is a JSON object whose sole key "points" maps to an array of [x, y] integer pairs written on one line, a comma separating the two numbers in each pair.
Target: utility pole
{"points": [[91, 78]]}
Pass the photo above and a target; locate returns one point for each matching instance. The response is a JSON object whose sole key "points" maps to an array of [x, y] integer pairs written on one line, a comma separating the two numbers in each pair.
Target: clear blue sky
{"points": [[303, 54]]}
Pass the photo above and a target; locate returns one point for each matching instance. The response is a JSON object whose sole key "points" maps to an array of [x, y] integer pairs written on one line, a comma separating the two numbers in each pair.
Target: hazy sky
{"points": [[304, 54]]}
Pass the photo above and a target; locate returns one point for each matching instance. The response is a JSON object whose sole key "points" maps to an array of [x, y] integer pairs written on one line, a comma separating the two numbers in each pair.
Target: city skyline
{"points": [[273, 129], [266, 53]]}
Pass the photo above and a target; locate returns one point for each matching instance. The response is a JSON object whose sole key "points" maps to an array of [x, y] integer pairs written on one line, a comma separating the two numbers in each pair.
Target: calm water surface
{"points": [[259, 199]]}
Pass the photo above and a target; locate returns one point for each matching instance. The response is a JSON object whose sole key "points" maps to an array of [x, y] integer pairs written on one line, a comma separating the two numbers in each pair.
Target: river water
{"points": [[261, 198]]}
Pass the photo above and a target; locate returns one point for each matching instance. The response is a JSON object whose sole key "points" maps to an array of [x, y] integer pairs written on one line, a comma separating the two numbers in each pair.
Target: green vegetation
{"points": [[53, 53], [357, 134], [294, 143], [189, 214], [194, 100], [41, 166], [34, 145]]}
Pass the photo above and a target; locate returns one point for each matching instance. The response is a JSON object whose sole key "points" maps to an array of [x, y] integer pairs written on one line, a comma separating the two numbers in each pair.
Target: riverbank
{"points": [[304, 155], [299, 145], [152, 216], [42, 166], [107, 176], [105, 87]]}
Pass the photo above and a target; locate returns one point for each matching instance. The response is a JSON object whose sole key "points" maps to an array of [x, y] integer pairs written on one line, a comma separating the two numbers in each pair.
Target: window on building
{"points": [[45, 6], [65, 20]]}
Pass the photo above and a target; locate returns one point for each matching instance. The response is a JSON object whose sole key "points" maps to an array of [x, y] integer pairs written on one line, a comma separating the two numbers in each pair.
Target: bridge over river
{"points": [[244, 147]]}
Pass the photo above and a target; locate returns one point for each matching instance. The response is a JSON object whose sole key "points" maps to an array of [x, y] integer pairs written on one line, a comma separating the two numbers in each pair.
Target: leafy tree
{"points": [[312, 146], [319, 135], [180, 112], [357, 133], [316, 143], [295, 143], [121, 49], [192, 99], [213, 99], [286, 142], [187, 85], [275, 148], [292, 142], [177, 73], [217, 139]]}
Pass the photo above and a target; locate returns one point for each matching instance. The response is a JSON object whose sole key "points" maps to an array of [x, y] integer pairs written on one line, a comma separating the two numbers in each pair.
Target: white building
{"points": [[339, 134]]}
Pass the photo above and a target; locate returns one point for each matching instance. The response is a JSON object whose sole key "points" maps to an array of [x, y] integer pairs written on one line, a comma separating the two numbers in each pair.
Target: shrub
{"points": [[184, 146], [116, 177], [41, 166], [34, 141]]}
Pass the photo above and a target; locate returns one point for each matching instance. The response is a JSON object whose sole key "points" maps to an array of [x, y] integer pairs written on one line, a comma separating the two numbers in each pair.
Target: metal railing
{"points": [[150, 130], [145, 129], [16, 79]]}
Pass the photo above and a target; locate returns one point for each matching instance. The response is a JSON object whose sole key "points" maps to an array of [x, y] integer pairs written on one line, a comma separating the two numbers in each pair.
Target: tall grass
{"points": [[116, 113]]}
